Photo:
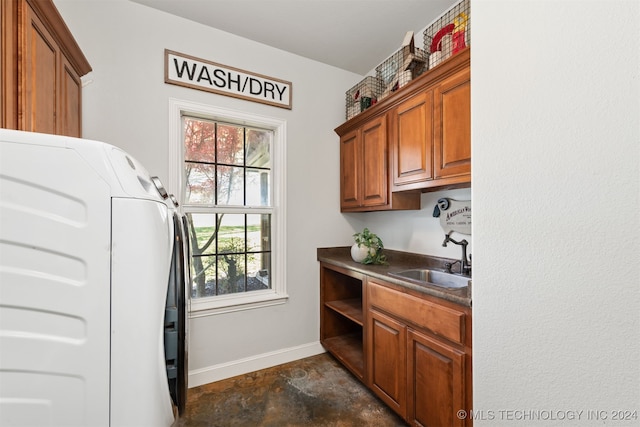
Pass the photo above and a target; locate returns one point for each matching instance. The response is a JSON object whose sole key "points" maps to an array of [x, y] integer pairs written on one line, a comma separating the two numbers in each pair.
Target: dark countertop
{"points": [[398, 261]]}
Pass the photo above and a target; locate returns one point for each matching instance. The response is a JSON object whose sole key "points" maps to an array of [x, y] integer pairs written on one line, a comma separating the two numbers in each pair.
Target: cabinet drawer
{"points": [[441, 320]]}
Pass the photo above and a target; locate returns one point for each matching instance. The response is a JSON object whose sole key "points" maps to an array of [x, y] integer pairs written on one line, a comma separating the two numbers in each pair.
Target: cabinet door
{"points": [[387, 360], [69, 101], [374, 162], [453, 125], [412, 139], [39, 81], [350, 174], [435, 374]]}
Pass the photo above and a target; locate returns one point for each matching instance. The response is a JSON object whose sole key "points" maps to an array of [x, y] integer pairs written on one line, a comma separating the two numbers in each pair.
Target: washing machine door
{"points": [[175, 320]]}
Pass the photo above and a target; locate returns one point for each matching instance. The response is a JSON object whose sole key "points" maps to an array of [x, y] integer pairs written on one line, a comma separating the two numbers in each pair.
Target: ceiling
{"points": [[354, 35]]}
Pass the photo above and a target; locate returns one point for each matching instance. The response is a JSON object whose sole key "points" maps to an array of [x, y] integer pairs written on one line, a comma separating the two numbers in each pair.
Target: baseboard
{"points": [[255, 363]]}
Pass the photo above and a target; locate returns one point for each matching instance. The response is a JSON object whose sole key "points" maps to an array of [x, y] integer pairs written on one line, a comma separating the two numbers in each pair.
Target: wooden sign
{"points": [[455, 215], [195, 73]]}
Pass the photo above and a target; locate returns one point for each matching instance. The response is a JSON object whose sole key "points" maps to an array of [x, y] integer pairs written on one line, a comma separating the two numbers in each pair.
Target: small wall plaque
{"points": [[455, 215]]}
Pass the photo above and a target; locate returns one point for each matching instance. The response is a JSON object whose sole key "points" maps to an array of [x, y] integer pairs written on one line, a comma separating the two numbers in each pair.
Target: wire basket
{"points": [[363, 95], [400, 68], [448, 34]]}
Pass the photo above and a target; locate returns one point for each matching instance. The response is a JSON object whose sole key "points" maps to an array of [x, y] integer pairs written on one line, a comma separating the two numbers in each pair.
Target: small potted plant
{"points": [[367, 248]]}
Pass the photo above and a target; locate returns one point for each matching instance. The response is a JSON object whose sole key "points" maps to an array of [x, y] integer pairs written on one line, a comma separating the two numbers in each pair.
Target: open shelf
{"points": [[341, 317], [348, 349], [351, 309]]}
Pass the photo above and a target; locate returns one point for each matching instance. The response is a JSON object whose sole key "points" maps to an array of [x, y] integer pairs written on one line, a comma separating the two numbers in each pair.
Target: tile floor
{"points": [[316, 391]]}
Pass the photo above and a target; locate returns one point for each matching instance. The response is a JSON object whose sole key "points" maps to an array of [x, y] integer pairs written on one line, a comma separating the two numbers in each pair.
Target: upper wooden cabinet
{"points": [[452, 130], [364, 166], [41, 69], [411, 125], [363, 162], [427, 137], [430, 132]]}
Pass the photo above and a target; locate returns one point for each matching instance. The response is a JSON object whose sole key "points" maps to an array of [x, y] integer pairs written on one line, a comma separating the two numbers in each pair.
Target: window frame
{"points": [[245, 300]]}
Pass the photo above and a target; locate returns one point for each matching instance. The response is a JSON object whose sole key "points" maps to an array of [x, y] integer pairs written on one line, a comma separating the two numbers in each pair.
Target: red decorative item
{"points": [[435, 44], [458, 41], [458, 36]]}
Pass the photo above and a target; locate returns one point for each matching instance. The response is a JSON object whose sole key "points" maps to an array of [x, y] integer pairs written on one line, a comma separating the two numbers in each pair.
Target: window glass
{"points": [[259, 148], [199, 183], [230, 144], [230, 185], [227, 176]]}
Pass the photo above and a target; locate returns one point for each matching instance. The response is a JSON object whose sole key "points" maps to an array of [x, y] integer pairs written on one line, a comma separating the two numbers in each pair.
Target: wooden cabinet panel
{"points": [[412, 139], [453, 126], [388, 361], [8, 64], [436, 375], [39, 81], [70, 101], [364, 171], [41, 69], [350, 170], [443, 321], [374, 163]]}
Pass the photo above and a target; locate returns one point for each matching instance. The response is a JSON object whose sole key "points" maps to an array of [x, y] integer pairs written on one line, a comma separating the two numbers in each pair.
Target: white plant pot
{"points": [[359, 253]]}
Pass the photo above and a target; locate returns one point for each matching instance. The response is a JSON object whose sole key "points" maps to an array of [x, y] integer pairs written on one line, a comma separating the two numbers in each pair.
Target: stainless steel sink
{"points": [[433, 277]]}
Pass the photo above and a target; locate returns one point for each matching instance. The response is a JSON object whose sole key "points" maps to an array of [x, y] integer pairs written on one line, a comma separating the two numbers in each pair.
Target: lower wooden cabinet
{"points": [[413, 351], [387, 360], [415, 375], [419, 356], [435, 379]]}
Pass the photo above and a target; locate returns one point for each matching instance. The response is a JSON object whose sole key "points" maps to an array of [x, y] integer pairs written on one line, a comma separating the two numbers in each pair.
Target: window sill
{"points": [[211, 306]]}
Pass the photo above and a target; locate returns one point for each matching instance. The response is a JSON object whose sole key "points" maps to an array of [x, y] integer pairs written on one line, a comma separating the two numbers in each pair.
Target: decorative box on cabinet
{"points": [[42, 66]]}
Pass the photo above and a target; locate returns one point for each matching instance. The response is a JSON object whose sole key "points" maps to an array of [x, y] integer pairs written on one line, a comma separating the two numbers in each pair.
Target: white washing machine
{"points": [[93, 287]]}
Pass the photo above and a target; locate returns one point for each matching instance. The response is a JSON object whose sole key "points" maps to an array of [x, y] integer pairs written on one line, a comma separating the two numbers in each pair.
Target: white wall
{"points": [[415, 231], [556, 188], [555, 107], [125, 103]]}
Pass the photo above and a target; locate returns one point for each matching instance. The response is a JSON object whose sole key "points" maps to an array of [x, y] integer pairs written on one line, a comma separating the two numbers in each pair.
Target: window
{"points": [[231, 190]]}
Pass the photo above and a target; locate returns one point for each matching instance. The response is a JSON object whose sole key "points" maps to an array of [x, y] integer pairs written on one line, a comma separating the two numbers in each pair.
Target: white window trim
{"points": [[256, 299]]}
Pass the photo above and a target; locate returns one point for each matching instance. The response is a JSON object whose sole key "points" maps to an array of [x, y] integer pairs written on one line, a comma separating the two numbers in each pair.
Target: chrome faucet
{"points": [[465, 264]]}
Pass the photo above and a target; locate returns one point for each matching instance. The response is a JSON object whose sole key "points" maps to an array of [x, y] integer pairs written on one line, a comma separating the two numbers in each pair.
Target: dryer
{"points": [[93, 287]]}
